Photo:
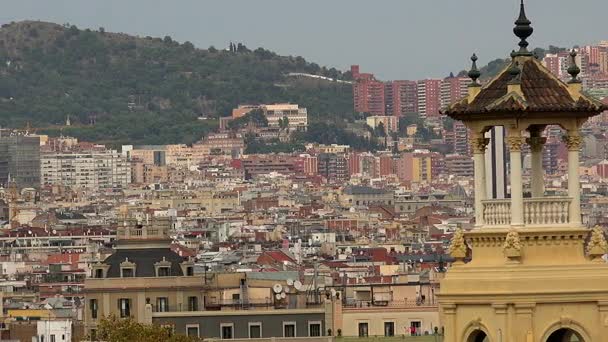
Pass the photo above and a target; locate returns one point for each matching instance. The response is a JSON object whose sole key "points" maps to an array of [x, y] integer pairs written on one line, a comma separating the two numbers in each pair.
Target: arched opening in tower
{"points": [[565, 335], [478, 336]]}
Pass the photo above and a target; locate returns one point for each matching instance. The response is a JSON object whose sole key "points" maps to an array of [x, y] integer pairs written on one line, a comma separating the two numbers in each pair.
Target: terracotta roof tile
{"points": [[541, 92]]}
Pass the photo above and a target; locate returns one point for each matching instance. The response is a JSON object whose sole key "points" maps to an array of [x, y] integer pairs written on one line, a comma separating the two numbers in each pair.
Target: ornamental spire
{"points": [[523, 30], [573, 69], [474, 73]]}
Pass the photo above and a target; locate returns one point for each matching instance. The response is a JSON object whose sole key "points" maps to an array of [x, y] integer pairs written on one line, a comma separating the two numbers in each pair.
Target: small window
{"points": [[162, 304], [363, 330], [93, 334], [255, 330], [289, 329], [163, 271], [124, 306], [314, 329], [93, 305], [99, 273], [226, 330], [193, 303], [192, 330], [190, 271], [415, 328], [389, 328], [127, 272], [53, 338]]}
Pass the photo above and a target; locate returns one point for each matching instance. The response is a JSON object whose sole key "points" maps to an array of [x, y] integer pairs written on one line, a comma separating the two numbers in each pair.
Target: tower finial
{"points": [[573, 69], [523, 30], [474, 73]]}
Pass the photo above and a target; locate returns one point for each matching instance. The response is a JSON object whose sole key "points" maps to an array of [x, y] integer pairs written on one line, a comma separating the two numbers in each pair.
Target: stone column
{"points": [[573, 142], [449, 322], [517, 194], [479, 144], [538, 182]]}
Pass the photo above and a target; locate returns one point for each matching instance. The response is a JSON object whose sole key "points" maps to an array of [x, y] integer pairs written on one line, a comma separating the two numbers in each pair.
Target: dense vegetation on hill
{"points": [[118, 88]]}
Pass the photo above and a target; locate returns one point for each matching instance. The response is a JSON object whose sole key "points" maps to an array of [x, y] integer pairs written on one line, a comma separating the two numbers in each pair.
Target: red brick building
{"points": [[429, 98], [401, 97], [368, 93]]}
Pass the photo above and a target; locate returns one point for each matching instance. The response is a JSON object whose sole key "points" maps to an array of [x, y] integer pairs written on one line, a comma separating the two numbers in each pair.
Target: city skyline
{"points": [[403, 55]]}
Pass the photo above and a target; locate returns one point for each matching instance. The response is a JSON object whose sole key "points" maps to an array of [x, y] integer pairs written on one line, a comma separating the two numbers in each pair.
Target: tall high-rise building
{"points": [[557, 63], [461, 139], [401, 97], [333, 167], [429, 98], [368, 93], [453, 89], [20, 160], [593, 54]]}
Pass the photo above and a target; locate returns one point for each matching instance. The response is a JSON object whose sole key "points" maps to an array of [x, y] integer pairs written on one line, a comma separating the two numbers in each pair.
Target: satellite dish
{"points": [[333, 292], [277, 288], [297, 284], [290, 282], [283, 295], [278, 296]]}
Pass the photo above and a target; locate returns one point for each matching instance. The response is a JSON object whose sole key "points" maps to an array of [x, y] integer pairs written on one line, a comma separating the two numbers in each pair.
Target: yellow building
{"points": [[421, 168], [530, 275]]}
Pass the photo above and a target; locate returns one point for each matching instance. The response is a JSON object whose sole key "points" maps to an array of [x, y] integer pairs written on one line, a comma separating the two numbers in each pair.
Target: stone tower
{"points": [[530, 276]]}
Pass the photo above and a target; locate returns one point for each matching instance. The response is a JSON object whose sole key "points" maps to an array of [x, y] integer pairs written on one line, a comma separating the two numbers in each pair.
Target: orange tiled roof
{"points": [[540, 92]]}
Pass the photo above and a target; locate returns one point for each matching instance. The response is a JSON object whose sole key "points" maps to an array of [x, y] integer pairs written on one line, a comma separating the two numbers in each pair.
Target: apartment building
{"points": [[401, 97], [297, 117], [20, 160], [94, 169], [453, 89], [429, 98]]}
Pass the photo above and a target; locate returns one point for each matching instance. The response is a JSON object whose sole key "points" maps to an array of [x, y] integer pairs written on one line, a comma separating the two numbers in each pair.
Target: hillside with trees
{"points": [[118, 88]]}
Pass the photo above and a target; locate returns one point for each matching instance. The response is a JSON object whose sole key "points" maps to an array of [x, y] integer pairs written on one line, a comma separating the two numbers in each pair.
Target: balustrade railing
{"points": [[547, 210], [497, 212], [537, 211]]}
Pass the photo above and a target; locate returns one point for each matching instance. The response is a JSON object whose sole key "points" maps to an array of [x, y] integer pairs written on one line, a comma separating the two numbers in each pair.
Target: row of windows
{"points": [[255, 330], [389, 329], [52, 338], [124, 306], [129, 272]]}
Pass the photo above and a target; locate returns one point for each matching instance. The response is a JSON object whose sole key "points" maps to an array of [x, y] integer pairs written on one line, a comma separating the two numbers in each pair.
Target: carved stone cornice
{"points": [[479, 144], [515, 143], [536, 143], [573, 142]]}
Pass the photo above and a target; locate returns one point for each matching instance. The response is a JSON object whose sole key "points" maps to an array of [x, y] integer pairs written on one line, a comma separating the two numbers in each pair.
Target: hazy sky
{"points": [[395, 39]]}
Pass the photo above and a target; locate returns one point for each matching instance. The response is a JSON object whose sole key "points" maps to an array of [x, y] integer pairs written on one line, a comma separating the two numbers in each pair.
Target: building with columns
{"points": [[529, 270]]}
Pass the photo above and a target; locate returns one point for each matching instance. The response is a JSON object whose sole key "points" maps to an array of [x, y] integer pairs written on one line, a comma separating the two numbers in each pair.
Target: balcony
{"points": [[540, 211]]}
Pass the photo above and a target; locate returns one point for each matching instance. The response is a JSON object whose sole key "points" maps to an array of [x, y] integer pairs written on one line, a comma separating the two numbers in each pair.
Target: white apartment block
{"points": [[93, 170], [297, 117]]}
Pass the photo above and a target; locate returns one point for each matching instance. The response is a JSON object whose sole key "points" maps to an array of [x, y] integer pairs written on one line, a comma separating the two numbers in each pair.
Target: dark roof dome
{"points": [[144, 260]]}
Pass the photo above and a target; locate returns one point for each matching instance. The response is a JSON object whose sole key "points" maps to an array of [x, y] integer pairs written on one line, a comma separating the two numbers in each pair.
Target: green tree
{"points": [[380, 131], [113, 329], [284, 123]]}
